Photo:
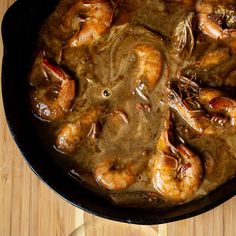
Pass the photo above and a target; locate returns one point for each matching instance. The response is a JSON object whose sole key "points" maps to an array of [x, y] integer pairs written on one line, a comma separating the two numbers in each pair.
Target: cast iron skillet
{"points": [[20, 26]]}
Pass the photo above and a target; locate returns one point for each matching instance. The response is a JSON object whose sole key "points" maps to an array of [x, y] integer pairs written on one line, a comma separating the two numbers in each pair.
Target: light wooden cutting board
{"points": [[30, 208]]}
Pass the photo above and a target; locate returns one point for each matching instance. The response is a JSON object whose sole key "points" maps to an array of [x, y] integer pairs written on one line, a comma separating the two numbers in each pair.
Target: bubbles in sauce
{"points": [[106, 93]]}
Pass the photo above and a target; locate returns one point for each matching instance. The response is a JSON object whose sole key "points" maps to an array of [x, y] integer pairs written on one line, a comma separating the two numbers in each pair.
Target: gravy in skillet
{"points": [[137, 97]]}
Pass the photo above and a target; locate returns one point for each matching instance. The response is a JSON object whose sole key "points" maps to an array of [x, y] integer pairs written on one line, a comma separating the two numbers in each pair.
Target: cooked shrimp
{"points": [[94, 16], [149, 65], [111, 178], [213, 58], [212, 18], [215, 100], [177, 171], [200, 109], [195, 117], [207, 94], [197, 110], [227, 105], [73, 133], [69, 137], [54, 98]]}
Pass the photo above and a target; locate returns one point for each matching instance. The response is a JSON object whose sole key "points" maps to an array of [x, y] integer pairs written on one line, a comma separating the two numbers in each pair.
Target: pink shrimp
{"points": [[54, 98], [94, 17]]}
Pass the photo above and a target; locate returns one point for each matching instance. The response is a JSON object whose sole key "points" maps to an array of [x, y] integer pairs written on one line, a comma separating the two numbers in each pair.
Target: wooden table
{"points": [[29, 208]]}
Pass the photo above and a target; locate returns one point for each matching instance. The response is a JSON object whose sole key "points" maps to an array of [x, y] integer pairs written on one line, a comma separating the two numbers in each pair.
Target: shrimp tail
{"points": [[55, 71]]}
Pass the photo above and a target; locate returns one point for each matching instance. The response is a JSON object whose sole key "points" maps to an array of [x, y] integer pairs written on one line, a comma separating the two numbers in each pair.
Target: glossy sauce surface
{"points": [[118, 100]]}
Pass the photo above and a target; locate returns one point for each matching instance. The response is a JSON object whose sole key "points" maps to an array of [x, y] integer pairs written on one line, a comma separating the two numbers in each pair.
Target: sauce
{"points": [[120, 106]]}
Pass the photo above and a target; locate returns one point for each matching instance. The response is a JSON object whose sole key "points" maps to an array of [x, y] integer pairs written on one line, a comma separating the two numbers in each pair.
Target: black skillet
{"points": [[20, 26]]}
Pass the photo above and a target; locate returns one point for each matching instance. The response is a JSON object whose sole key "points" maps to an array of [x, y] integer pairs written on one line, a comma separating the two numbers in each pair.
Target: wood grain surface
{"points": [[30, 208]]}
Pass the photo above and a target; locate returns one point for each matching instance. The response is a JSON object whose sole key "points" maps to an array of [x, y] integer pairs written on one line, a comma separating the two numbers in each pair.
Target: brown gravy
{"points": [[116, 117]]}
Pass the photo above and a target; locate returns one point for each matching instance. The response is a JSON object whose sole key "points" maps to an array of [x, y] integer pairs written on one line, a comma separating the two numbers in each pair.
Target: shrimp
{"points": [[226, 105], [197, 111], [195, 117], [112, 178], [150, 65], [211, 60], [201, 107], [53, 97], [207, 94], [177, 171], [73, 133], [212, 18], [94, 17], [214, 58], [216, 100]]}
